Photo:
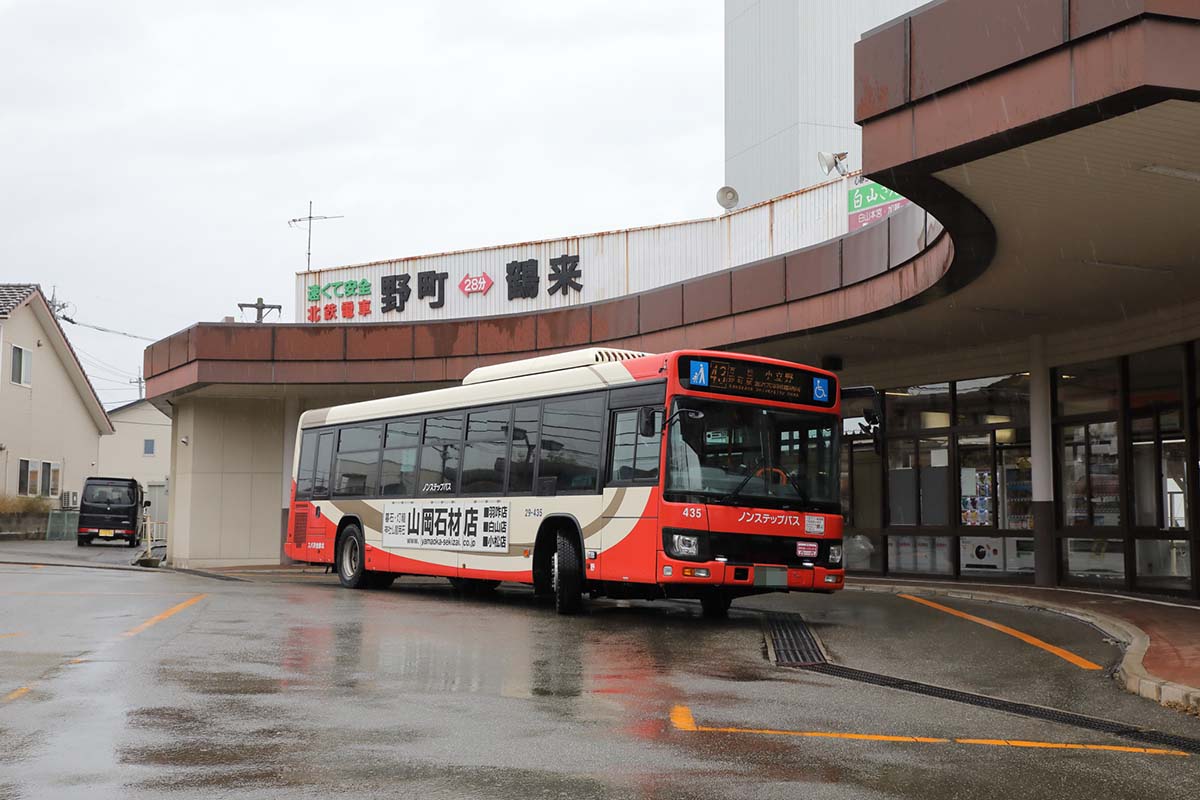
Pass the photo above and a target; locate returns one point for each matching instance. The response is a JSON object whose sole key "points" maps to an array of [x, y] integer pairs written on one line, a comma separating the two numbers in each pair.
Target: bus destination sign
{"points": [[752, 379]]}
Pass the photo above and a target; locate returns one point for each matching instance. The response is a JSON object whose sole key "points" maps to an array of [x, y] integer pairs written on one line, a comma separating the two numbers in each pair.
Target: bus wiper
{"points": [[725, 498], [796, 485]]}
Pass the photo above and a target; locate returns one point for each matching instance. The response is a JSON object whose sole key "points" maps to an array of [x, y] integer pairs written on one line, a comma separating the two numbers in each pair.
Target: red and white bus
{"points": [[691, 474]]}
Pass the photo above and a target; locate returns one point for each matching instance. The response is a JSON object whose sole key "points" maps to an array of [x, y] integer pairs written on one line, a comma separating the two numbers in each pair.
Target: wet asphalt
{"points": [[294, 687]]}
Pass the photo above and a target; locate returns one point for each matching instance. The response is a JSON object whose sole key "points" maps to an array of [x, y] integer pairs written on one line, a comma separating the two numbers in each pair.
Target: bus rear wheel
{"points": [[351, 559], [567, 569]]}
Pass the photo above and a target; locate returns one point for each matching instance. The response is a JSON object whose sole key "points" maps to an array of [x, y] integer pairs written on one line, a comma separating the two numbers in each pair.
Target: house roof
{"points": [[13, 296]]}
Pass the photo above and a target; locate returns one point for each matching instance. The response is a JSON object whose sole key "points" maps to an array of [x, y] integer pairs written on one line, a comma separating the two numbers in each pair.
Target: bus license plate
{"points": [[108, 532], [770, 576], [807, 549]]}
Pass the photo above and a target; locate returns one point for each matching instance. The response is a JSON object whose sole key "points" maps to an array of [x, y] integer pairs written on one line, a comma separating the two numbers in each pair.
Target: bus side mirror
{"points": [[865, 402], [645, 422]]}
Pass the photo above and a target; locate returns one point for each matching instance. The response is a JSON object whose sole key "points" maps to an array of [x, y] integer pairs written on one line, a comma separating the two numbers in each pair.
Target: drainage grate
{"points": [[795, 646], [793, 642]]}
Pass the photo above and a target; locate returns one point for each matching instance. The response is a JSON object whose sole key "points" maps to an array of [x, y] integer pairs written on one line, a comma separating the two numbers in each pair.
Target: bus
{"points": [[700, 475]]}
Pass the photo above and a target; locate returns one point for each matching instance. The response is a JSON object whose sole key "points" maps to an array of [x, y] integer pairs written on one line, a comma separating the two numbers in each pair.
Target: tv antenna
{"points": [[306, 222]]}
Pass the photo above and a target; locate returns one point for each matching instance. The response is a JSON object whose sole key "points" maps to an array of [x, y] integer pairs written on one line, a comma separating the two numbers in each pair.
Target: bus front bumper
{"points": [[750, 577]]}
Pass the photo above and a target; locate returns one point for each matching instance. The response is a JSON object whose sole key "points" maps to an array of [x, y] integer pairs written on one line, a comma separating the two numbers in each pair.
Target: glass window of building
{"points": [[918, 408], [867, 485], [1158, 461], [1164, 564], [902, 482], [1090, 388], [1014, 484], [1156, 378], [1089, 475], [1095, 560], [921, 554], [934, 481], [1001, 400], [976, 481]]}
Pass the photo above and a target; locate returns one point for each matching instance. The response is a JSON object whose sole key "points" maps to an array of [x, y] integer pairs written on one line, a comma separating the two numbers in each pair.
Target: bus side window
{"points": [[441, 449], [634, 457], [571, 444], [523, 452], [399, 471], [484, 452], [308, 460]]}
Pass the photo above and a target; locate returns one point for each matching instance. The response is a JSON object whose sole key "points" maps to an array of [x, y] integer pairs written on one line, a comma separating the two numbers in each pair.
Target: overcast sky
{"points": [[154, 151]]}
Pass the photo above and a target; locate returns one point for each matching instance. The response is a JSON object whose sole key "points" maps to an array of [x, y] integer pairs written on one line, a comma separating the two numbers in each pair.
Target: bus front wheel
{"points": [[567, 574]]}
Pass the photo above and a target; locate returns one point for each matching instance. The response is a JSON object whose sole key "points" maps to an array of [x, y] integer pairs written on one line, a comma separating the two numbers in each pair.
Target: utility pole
{"points": [[141, 384], [260, 308], [307, 223]]}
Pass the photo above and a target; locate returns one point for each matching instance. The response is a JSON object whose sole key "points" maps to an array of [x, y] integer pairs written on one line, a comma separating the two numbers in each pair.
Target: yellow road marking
{"points": [[10, 635], [170, 612], [682, 719], [16, 693], [1066, 655]]}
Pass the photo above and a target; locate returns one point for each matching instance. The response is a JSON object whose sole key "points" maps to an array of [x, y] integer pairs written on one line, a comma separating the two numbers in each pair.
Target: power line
{"points": [[106, 330]]}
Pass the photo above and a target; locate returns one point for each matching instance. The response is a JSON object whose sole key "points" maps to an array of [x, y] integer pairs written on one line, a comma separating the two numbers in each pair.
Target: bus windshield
{"points": [[744, 454]]}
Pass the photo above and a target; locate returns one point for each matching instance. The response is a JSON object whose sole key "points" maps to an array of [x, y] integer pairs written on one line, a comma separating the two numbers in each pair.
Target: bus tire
{"points": [[351, 559], [716, 605], [568, 573]]}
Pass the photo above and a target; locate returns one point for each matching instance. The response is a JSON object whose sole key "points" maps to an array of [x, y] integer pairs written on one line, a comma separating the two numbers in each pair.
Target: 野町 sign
{"points": [[868, 201], [395, 295]]}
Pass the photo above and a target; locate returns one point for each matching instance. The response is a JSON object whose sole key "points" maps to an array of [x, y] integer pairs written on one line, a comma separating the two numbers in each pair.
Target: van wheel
{"points": [[134, 542], [567, 577], [82, 541], [351, 558]]}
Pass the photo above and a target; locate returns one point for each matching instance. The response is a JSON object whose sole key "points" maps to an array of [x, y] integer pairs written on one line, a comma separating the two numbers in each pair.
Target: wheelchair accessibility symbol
{"points": [[699, 373], [821, 389]]}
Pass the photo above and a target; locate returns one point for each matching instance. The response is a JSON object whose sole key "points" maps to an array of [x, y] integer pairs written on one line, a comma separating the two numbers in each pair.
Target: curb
{"points": [[1130, 673]]}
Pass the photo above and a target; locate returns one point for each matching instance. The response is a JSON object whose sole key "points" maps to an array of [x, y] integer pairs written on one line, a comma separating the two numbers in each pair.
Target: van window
{"points": [[103, 494]]}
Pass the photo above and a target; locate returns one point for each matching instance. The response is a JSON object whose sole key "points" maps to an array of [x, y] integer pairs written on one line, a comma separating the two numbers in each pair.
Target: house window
{"points": [[147, 447], [38, 478], [22, 366]]}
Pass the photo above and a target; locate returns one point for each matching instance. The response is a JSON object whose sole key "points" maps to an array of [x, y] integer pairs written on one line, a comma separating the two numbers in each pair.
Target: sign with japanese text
{"points": [[867, 202], [752, 379], [396, 296], [433, 524]]}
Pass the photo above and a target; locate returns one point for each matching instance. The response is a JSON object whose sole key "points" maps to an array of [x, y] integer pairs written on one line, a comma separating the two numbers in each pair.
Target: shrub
{"points": [[12, 504]]}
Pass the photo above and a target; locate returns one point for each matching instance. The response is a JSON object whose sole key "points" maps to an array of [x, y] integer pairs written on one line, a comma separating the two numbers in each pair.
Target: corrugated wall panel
{"points": [[611, 264]]}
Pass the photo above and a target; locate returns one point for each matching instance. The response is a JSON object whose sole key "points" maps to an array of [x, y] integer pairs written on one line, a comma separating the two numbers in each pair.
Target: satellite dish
{"points": [[727, 197], [831, 161]]}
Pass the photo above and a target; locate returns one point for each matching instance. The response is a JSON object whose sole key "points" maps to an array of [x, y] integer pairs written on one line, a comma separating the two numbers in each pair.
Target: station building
{"points": [[1013, 267]]}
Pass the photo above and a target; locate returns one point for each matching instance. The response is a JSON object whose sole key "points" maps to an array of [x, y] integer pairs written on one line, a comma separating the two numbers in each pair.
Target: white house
{"points": [[141, 449], [51, 421]]}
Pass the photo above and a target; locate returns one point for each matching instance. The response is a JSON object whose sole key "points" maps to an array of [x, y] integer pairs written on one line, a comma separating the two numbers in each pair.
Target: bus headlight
{"points": [[684, 545], [835, 554]]}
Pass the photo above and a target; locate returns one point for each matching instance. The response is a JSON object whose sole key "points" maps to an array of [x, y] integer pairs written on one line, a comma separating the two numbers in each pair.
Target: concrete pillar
{"points": [[1041, 441], [225, 482]]}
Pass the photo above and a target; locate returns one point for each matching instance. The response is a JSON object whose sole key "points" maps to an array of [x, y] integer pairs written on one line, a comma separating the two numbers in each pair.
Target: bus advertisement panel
{"points": [[701, 475]]}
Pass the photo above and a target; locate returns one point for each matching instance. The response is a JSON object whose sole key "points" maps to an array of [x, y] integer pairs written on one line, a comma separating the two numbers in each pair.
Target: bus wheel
{"points": [[567, 574], [351, 558], [716, 605]]}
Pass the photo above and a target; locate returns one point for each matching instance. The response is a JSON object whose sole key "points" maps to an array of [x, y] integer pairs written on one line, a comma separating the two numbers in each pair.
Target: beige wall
{"points": [[224, 500], [47, 421], [121, 455]]}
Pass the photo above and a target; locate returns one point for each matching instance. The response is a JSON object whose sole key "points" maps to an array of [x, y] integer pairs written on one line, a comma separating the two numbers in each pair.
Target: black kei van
{"points": [[110, 508]]}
